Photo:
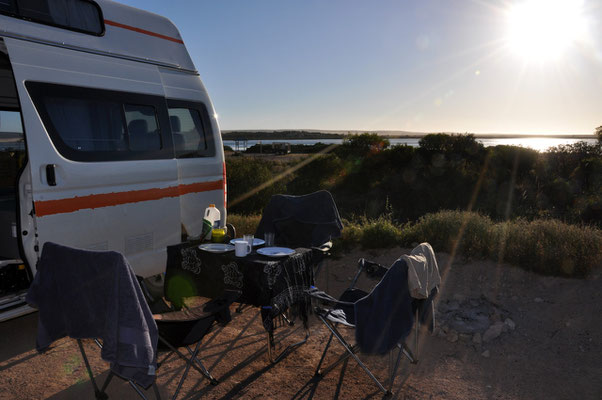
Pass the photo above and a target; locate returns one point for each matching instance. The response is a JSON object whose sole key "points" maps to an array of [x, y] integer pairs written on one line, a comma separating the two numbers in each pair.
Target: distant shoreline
{"points": [[314, 135]]}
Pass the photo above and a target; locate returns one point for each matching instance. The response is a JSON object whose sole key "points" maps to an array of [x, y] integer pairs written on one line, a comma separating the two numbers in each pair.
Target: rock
{"points": [[510, 324], [465, 337], [538, 300], [486, 354], [495, 317], [452, 336], [477, 338], [493, 332], [458, 297]]}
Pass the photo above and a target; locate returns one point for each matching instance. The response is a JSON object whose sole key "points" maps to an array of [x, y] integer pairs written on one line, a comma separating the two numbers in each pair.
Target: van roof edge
{"points": [[97, 52]]}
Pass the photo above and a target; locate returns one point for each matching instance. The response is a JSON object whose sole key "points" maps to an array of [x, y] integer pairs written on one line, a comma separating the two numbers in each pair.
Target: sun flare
{"points": [[542, 30]]}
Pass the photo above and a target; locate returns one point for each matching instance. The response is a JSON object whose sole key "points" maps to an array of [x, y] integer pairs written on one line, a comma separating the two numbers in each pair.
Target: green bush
{"points": [[548, 247], [245, 176], [244, 224], [464, 233], [361, 145], [321, 173], [380, 233]]}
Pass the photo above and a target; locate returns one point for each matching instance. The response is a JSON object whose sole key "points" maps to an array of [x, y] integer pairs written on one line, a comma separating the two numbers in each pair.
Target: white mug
{"points": [[241, 248]]}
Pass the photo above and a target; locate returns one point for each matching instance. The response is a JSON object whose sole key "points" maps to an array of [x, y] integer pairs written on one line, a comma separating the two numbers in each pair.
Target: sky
{"points": [[477, 66]]}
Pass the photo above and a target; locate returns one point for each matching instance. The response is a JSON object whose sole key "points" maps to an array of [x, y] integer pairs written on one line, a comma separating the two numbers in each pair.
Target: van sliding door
{"points": [[102, 170]]}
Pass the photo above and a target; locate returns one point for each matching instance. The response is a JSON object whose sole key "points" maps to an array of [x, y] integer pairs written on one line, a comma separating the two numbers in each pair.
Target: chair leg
{"points": [[99, 394], [276, 358], [351, 351], [205, 370], [318, 372], [394, 371], [408, 353], [188, 365], [182, 356]]}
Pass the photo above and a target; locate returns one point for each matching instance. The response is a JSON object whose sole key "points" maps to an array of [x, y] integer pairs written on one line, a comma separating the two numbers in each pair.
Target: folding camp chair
{"points": [[187, 327], [94, 294], [309, 221], [382, 319]]}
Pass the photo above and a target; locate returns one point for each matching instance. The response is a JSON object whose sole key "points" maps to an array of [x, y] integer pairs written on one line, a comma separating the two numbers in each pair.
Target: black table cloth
{"points": [[275, 284]]}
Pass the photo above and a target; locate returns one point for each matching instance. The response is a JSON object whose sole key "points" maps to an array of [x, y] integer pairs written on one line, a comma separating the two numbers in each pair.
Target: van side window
{"points": [[191, 130], [143, 130], [79, 15], [8, 6], [88, 124]]}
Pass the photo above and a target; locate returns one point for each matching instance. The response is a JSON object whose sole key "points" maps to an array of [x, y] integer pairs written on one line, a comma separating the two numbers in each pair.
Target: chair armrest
{"points": [[324, 298], [323, 248], [230, 231]]}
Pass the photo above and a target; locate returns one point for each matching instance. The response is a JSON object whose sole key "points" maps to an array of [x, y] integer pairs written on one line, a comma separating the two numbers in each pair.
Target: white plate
{"points": [[256, 241], [216, 247], [275, 251]]}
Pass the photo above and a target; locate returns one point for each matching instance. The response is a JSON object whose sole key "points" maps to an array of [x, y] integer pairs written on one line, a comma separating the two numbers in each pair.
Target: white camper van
{"points": [[108, 138]]}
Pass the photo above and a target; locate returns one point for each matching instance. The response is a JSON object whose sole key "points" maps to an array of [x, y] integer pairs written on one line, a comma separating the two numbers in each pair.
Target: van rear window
{"points": [[78, 15], [100, 125], [190, 136]]}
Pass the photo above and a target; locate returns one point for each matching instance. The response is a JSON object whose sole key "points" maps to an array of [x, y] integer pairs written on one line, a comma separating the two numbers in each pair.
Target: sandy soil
{"points": [[553, 351]]}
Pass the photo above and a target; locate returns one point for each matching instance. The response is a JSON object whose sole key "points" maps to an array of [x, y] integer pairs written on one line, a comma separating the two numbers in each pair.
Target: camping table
{"points": [[274, 284]]}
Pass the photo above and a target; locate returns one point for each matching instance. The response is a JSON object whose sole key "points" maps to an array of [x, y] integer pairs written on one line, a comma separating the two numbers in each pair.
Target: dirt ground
{"points": [[540, 338]]}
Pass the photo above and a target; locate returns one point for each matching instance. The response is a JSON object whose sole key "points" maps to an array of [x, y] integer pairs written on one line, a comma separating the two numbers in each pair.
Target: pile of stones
{"points": [[475, 321]]}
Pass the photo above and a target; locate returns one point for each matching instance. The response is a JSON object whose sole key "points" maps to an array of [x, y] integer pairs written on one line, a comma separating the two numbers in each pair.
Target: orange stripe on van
{"points": [[62, 206], [143, 31]]}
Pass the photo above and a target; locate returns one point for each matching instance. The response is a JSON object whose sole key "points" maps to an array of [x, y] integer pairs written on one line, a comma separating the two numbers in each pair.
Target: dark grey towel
{"points": [[95, 294], [384, 317], [301, 221]]}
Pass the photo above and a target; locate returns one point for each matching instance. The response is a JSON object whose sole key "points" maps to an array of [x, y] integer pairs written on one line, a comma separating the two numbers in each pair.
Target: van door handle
{"points": [[50, 175]]}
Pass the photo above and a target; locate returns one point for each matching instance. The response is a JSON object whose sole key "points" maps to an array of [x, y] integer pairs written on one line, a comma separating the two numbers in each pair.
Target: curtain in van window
{"points": [[76, 14], [87, 125]]}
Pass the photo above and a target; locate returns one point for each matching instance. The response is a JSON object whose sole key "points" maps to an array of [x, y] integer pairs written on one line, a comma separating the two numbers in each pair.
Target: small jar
{"points": [[218, 235]]}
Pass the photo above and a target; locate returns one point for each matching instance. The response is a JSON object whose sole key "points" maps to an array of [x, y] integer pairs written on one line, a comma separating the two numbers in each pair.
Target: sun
{"points": [[542, 30]]}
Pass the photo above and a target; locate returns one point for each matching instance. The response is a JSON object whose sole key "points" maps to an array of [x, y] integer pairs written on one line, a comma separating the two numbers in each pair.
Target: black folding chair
{"points": [[187, 327], [309, 221], [382, 319], [94, 294]]}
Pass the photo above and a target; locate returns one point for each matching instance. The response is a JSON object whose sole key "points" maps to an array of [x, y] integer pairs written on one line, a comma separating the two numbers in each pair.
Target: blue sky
{"points": [[425, 66]]}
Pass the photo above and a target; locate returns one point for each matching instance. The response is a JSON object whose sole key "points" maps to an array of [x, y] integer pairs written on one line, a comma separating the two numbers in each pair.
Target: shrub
{"points": [[246, 176], [465, 233], [361, 145], [244, 224], [321, 173], [380, 233], [548, 247]]}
